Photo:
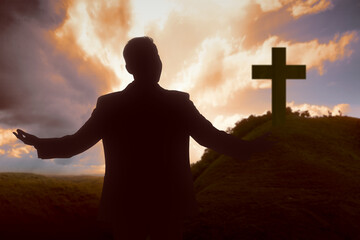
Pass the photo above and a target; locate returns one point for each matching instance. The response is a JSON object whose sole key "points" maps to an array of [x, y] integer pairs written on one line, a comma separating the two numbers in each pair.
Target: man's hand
{"points": [[26, 138]]}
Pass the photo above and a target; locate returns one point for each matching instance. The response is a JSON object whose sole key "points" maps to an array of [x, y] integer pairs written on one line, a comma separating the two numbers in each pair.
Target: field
{"points": [[49, 207], [306, 186]]}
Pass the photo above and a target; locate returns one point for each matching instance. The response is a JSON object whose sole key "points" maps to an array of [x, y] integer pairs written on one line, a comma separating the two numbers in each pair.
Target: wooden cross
{"points": [[278, 72]]}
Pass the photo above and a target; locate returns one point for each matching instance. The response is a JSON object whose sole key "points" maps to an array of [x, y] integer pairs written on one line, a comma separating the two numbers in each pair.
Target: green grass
{"points": [[305, 187]]}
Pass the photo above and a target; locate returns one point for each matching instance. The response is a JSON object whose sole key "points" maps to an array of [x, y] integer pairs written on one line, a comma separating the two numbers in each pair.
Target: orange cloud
{"points": [[320, 110], [11, 147], [223, 122], [19, 151], [7, 136], [297, 8], [97, 30], [314, 54], [300, 8], [270, 5]]}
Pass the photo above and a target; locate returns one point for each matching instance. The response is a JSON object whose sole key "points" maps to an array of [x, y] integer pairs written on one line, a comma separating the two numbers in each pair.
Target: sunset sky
{"points": [[58, 57]]}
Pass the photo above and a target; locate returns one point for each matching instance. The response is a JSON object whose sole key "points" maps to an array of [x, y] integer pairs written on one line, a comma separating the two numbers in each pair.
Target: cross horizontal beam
{"points": [[290, 71]]}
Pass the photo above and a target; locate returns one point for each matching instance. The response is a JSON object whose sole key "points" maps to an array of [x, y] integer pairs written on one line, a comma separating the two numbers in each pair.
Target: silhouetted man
{"points": [[145, 131]]}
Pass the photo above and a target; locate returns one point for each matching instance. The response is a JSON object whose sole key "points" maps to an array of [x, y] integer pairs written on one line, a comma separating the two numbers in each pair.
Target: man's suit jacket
{"points": [[145, 133]]}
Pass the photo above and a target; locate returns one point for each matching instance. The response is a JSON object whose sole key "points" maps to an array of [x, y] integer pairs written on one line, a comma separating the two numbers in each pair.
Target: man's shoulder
{"points": [[121, 96], [110, 96], [177, 94]]}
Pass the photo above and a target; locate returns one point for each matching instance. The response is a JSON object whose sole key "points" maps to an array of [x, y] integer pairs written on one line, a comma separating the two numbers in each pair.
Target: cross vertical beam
{"points": [[278, 72]]}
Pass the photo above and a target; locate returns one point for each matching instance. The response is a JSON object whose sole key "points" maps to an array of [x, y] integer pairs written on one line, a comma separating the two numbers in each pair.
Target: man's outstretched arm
{"points": [[67, 146], [207, 135]]}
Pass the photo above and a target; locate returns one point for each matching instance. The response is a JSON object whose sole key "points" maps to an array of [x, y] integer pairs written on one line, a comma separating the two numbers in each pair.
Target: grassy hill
{"points": [[306, 186]]}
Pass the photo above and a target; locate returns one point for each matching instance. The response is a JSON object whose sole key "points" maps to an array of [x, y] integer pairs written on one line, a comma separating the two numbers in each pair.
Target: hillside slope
{"points": [[307, 186]]}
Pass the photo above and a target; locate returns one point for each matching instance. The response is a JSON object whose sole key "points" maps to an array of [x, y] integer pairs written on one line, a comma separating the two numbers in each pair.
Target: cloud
{"points": [[99, 29], [7, 136], [222, 68], [17, 151], [320, 110], [297, 8], [314, 54], [30, 163], [214, 71], [300, 8], [269, 5], [225, 122]]}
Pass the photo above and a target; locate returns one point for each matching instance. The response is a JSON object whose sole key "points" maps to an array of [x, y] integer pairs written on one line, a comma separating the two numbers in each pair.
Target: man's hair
{"points": [[139, 52]]}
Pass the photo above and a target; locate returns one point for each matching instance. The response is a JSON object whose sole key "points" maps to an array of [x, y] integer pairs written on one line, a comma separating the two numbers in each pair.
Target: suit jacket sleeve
{"points": [[207, 135], [70, 145]]}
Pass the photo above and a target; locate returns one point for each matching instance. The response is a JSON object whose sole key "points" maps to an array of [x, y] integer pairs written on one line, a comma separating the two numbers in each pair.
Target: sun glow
{"points": [[101, 29], [147, 13], [89, 25]]}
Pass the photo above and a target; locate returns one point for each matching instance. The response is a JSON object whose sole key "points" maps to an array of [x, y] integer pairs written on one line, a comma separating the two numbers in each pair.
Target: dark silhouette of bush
{"points": [[245, 126], [305, 114]]}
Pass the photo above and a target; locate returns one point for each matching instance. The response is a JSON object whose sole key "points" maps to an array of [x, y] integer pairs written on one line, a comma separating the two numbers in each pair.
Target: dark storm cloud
{"points": [[14, 42], [46, 13], [42, 88]]}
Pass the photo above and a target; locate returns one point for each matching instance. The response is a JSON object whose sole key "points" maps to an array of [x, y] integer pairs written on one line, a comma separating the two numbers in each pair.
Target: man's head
{"points": [[142, 60]]}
